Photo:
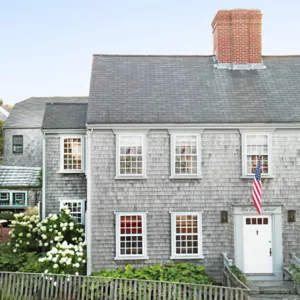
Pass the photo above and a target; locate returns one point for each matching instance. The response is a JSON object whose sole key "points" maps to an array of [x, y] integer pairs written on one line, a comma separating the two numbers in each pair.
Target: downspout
{"points": [[44, 179], [88, 223]]}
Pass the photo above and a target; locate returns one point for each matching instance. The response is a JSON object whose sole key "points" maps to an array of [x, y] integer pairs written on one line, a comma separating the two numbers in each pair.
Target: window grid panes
{"points": [[72, 154], [17, 143], [13, 198], [4, 199], [186, 234], [131, 235], [257, 145], [131, 155], [76, 210], [186, 155]]}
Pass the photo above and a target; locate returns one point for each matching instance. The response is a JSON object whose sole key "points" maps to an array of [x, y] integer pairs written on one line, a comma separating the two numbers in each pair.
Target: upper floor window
{"points": [[255, 145], [71, 154], [131, 236], [17, 143], [13, 198], [185, 155], [186, 236], [130, 155], [76, 207]]}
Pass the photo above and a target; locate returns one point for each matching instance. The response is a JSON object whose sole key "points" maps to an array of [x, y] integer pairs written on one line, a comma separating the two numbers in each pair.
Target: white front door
{"points": [[258, 257]]}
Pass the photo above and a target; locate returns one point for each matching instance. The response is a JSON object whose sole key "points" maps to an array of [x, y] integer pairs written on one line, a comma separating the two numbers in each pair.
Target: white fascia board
{"points": [[4, 111], [190, 126]]}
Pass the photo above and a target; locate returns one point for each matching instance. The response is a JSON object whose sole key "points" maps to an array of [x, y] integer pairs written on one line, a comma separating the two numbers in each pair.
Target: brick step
{"points": [[274, 296]]}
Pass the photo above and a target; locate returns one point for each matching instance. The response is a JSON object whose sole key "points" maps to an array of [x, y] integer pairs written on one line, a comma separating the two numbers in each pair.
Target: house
{"points": [[20, 187], [166, 154], [22, 131]]}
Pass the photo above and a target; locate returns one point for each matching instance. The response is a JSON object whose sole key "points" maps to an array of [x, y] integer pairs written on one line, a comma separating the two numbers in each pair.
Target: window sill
{"points": [[185, 177], [131, 258], [188, 257], [71, 172], [131, 177], [252, 176]]}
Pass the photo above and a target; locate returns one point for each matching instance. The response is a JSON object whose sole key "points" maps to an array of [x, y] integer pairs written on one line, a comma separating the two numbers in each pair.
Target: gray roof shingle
{"points": [[188, 89], [19, 177], [65, 116], [29, 113]]}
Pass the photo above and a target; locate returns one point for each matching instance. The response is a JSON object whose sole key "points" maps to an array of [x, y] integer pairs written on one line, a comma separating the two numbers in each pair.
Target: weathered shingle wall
{"points": [[32, 148], [220, 187], [60, 185]]}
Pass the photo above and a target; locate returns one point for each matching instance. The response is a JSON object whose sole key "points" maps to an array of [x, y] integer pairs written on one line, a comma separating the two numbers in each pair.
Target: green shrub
{"points": [[239, 274], [31, 211], [18, 262], [296, 272], [180, 272], [7, 215]]}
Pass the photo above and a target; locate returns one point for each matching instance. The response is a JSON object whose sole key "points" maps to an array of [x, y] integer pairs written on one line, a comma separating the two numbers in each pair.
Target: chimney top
{"points": [[237, 39]]}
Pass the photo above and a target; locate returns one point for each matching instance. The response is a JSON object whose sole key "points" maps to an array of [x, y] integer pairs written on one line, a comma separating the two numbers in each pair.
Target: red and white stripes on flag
{"points": [[256, 188]]}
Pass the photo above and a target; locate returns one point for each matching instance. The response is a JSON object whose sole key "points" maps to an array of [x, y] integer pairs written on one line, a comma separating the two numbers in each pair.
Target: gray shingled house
{"points": [[22, 131], [166, 154]]}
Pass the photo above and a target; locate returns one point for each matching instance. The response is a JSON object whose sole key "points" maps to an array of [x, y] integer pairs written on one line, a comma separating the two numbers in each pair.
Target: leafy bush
{"points": [[239, 274], [7, 215], [296, 272], [180, 272], [65, 259], [31, 211], [24, 236], [23, 262]]}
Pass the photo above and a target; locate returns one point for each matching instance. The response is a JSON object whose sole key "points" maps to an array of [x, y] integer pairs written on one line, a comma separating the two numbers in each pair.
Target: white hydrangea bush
{"points": [[65, 258], [24, 236]]}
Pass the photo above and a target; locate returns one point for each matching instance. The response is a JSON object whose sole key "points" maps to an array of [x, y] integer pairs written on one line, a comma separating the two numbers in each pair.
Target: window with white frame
{"points": [[76, 207], [186, 235], [131, 236], [13, 198], [257, 145], [72, 154], [131, 157], [185, 154], [17, 143]]}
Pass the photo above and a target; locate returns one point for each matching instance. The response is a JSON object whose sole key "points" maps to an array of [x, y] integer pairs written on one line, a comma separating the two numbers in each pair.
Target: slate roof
{"points": [[29, 113], [19, 177], [65, 116], [188, 89]]}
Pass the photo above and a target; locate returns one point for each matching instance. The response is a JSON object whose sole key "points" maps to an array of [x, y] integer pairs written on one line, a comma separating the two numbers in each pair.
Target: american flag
{"points": [[256, 189]]}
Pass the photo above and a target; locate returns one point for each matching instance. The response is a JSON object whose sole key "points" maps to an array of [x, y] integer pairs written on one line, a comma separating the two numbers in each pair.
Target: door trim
{"points": [[274, 211]]}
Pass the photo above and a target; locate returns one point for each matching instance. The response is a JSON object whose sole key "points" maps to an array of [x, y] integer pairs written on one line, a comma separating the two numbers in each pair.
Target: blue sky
{"points": [[46, 47]]}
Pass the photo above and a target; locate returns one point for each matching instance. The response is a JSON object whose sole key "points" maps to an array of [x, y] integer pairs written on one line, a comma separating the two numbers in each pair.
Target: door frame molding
{"points": [[274, 211]]}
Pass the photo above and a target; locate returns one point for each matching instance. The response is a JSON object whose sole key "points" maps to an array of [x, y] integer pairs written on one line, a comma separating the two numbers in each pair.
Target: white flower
{"points": [[44, 237], [56, 238], [12, 235], [71, 224], [46, 244], [69, 260], [76, 273], [64, 229], [28, 235], [55, 266], [46, 271], [79, 259], [76, 265], [83, 261], [43, 228], [42, 259]]}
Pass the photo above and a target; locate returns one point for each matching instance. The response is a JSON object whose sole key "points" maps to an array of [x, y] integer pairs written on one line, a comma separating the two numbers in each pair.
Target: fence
{"points": [[25, 286]]}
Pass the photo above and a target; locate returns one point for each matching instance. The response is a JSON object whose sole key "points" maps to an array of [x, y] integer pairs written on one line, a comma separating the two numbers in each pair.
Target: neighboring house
{"points": [[3, 114], [171, 148], [22, 130], [20, 187]]}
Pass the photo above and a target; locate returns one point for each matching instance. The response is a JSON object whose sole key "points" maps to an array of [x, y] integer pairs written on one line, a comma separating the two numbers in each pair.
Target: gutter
{"points": [[88, 224]]}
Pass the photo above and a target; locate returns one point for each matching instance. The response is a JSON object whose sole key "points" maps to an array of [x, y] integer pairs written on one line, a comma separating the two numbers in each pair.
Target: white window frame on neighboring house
{"points": [[175, 234], [176, 135], [121, 134], [65, 202], [245, 138], [119, 236], [62, 154], [11, 194]]}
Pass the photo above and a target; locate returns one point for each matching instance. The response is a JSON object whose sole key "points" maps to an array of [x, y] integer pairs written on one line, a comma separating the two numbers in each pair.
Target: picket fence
{"points": [[25, 286]]}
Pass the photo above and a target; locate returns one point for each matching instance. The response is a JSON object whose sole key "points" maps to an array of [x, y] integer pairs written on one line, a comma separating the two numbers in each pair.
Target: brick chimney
{"points": [[237, 37]]}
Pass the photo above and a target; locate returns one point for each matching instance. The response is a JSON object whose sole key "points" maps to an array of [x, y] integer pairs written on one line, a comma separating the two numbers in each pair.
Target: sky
{"points": [[46, 47]]}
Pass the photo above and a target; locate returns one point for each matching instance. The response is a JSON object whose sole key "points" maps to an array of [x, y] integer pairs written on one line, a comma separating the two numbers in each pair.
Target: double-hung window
{"points": [[131, 236], [76, 207], [255, 145], [130, 155], [13, 198], [17, 143], [72, 154], [185, 154], [186, 229]]}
